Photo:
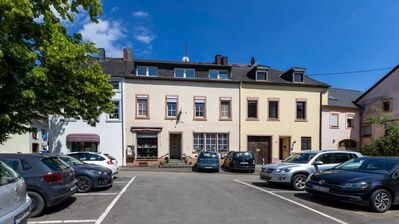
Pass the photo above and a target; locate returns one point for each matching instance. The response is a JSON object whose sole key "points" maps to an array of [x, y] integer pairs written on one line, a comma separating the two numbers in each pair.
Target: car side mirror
{"points": [[317, 163]]}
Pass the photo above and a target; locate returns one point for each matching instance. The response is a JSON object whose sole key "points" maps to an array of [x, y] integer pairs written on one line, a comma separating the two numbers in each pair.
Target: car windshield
{"points": [[243, 155], [299, 158], [71, 161], [109, 157], [208, 155], [7, 175], [369, 165]]}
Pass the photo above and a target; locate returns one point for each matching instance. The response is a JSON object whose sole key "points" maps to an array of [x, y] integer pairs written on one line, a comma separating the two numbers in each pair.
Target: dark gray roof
{"points": [[343, 97], [239, 72]]}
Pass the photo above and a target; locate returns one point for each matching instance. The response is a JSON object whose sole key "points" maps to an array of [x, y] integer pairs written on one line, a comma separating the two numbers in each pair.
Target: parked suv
{"points": [[239, 161], [15, 203], [296, 168], [104, 160], [49, 180]]}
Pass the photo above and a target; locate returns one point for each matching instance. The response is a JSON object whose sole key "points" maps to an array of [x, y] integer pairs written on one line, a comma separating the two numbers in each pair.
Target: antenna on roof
{"points": [[185, 57]]}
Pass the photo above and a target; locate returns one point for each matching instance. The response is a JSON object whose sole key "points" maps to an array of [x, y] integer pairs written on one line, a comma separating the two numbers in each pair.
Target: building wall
{"points": [[371, 104], [110, 132], [159, 89], [287, 124], [331, 136]]}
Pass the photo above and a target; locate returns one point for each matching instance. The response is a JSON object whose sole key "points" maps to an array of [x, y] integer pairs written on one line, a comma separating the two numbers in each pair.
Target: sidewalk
{"points": [[179, 170]]}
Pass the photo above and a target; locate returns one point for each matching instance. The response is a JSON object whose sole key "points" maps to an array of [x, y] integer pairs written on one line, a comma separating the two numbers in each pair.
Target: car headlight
{"points": [[283, 170], [362, 185], [96, 171]]}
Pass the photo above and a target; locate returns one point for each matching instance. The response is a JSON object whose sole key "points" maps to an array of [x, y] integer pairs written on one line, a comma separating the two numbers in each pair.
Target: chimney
{"points": [[225, 60], [127, 54], [252, 61], [218, 59], [101, 54]]}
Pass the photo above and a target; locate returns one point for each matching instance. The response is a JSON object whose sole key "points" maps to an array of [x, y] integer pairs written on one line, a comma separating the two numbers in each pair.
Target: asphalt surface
{"points": [[169, 197]]}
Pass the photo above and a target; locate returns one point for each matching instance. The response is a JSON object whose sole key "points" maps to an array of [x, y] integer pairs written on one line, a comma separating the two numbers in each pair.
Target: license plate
{"points": [[320, 188], [19, 218], [73, 188], [244, 163], [208, 167]]}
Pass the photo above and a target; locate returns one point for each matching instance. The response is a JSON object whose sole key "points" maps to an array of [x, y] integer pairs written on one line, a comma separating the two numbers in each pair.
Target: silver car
{"points": [[15, 203], [296, 168]]}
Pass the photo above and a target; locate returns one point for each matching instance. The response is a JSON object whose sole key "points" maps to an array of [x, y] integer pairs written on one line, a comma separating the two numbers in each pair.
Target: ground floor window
{"points": [[147, 146], [211, 142], [84, 147], [306, 143]]}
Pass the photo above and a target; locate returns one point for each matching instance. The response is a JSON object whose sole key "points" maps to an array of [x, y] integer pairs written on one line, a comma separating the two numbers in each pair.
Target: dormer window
{"points": [[147, 71], [219, 74], [298, 77], [261, 75], [184, 73]]}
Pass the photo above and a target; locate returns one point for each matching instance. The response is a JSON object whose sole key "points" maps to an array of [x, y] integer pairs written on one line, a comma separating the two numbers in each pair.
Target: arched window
{"points": [[347, 144]]}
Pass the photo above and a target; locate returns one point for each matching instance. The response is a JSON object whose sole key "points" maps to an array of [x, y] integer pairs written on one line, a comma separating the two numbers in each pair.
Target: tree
{"points": [[387, 145], [43, 69]]}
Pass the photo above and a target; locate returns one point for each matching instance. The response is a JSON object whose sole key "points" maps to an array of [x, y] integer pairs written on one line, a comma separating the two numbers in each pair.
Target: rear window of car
{"points": [[7, 174], [208, 155], [242, 155], [110, 157], [54, 163]]}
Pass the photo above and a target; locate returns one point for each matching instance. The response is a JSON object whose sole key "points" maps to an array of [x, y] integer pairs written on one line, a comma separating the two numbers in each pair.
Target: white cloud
{"points": [[141, 14], [106, 34], [114, 9], [144, 35]]}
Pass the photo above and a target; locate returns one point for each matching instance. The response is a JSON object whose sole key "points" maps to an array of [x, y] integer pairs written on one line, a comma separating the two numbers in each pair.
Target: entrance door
{"points": [[175, 146], [260, 146], [284, 147]]}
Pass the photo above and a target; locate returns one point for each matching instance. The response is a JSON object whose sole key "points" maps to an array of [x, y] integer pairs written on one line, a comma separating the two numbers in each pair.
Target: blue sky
{"points": [[322, 36]]}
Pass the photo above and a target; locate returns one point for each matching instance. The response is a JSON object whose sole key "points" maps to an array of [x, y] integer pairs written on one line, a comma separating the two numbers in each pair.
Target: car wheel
{"points": [[298, 182], [380, 200], [85, 184], [38, 204]]}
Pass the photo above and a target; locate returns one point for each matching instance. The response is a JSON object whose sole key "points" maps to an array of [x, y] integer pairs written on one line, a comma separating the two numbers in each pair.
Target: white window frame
{"points": [[119, 86], [147, 73], [293, 77], [185, 73], [119, 112], [263, 71], [332, 114], [203, 136], [218, 72]]}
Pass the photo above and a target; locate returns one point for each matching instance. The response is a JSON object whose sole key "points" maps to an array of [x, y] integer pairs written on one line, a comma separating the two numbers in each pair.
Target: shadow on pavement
{"points": [[57, 208], [273, 186]]}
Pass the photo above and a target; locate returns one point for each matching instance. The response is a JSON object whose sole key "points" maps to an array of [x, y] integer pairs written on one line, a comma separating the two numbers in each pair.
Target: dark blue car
{"points": [[207, 161]]}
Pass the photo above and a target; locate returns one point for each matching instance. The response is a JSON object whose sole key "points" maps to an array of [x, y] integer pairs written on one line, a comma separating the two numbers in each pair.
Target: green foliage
{"points": [[43, 69], [387, 145]]}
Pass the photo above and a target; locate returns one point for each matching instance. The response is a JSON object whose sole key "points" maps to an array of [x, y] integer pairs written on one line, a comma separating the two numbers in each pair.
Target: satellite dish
{"points": [[185, 59]]}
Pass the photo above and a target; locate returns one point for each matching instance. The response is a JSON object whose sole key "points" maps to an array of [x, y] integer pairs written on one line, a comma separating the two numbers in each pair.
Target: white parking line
{"points": [[64, 221], [94, 194], [120, 182], [110, 206], [294, 202], [288, 192]]}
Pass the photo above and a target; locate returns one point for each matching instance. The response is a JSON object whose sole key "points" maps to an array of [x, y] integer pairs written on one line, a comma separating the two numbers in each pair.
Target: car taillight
{"points": [[110, 162], [52, 178]]}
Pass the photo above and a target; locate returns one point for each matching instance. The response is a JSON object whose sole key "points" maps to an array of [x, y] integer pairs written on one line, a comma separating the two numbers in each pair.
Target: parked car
{"points": [[239, 161], [104, 160], [207, 161], [15, 203], [367, 181], [49, 180], [89, 176], [296, 168]]}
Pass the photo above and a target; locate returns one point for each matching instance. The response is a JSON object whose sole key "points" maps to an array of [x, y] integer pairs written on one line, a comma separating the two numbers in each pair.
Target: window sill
{"points": [[199, 119], [332, 127], [252, 119], [225, 119], [142, 118], [170, 118], [301, 120], [273, 119], [113, 121]]}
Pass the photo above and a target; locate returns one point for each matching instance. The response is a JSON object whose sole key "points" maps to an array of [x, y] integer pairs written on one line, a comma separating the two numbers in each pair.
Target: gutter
{"points": [[321, 118], [239, 116]]}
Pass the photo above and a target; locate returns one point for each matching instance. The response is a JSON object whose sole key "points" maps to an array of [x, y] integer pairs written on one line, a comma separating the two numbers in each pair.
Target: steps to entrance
{"points": [[175, 163]]}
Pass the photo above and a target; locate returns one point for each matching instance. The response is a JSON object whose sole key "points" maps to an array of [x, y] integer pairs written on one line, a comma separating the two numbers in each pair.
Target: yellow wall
{"points": [[287, 124]]}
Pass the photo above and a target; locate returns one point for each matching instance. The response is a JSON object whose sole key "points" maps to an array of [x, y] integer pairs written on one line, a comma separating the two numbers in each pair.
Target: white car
{"points": [[15, 203], [104, 160]]}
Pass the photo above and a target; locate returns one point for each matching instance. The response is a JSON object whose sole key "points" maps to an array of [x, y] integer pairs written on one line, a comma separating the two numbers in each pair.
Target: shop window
{"points": [[84, 147], [211, 142], [147, 145]]}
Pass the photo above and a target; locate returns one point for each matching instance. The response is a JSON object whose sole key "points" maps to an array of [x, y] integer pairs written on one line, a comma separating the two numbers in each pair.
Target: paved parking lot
{"points": [[168, 197]]}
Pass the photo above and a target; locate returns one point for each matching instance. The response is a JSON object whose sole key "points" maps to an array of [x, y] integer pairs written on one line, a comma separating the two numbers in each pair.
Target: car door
{"points": [[327, 159], [341, 157]]}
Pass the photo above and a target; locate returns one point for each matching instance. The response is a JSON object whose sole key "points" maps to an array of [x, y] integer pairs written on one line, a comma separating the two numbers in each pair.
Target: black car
{"points": [[89, 176], [49, 180], [367, 181], [239, 161]]}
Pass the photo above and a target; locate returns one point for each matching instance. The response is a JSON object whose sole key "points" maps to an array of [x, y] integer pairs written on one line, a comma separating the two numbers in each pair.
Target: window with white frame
{"points": [[115, 114], [334, 120], [298, 77], [211, 142], [171, 106], [115, 85], [349, 120], [225, 108], [184, 73], [199, 107], [142, 106], [147, 71], [261, 75], [219, 74]]}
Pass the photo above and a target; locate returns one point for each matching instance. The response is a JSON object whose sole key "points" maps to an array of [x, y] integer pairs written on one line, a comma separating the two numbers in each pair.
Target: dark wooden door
{"points": [[175, 146], [260, 146]]}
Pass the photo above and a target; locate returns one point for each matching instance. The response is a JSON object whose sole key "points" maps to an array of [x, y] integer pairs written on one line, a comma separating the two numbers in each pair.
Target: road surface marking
{"points": [[64, 221], [110, 206], [94, 194], [120, 182], [292, 201], [288, 192]]}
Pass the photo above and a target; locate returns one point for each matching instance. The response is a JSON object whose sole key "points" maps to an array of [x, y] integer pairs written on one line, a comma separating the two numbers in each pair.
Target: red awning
{"points": [[83, 138]]}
